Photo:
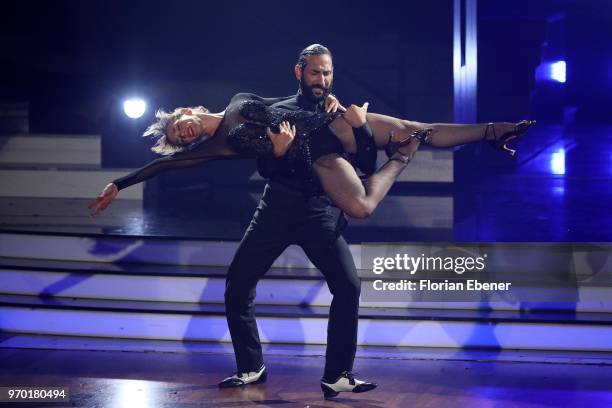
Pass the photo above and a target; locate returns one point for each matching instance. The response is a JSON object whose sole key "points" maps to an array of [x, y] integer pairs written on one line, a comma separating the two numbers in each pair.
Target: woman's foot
{"points": [[500, 134], [404, 149]]}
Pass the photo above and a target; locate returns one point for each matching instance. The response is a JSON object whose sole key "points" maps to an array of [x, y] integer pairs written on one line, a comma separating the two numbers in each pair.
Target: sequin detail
{"points": [[250, 138]]}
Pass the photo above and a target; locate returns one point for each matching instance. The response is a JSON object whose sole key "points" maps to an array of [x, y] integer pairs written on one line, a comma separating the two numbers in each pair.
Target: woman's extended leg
{"points": [[442, 134], [355, 197]]}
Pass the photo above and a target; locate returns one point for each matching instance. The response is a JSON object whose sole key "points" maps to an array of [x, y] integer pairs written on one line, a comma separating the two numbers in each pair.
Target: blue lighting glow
{"points": [[559, 190], [557, 162], [551, 71]]}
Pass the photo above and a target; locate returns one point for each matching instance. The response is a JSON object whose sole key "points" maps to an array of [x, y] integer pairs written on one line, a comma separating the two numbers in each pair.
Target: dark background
{"points": [[75, 62]]}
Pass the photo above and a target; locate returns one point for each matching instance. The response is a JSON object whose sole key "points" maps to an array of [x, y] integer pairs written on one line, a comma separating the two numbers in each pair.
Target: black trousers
{"points": [[285, 217]]}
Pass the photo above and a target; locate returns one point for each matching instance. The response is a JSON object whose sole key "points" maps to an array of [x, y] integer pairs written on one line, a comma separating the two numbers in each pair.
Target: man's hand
{"points": [[283, 139], [332, 104], [103, 199], [356, 115]]}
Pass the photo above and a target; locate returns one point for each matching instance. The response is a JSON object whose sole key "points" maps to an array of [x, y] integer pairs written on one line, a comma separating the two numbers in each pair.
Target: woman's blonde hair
{"points": [[158, 130]]}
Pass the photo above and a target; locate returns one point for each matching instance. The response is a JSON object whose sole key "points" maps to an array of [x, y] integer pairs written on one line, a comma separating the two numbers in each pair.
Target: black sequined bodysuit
{"points": [[242, 133], [313, 137]]}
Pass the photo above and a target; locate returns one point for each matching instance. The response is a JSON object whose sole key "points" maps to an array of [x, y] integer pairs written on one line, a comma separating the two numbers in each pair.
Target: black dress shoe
{"points": [[345, 382], [242, 379]]}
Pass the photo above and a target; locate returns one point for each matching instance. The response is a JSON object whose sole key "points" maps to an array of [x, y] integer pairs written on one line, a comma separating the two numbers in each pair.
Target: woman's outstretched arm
{"points": [[176, 161]]}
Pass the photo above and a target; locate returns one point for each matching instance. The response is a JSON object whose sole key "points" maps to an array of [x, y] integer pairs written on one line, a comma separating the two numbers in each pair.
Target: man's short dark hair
{"points": [[313, 49]]}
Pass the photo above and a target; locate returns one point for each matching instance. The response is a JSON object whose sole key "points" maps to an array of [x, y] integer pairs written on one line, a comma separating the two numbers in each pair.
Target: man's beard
{"points": [[307, 91]]}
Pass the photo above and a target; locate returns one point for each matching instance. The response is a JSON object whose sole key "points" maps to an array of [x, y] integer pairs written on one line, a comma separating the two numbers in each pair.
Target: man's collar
{"points": [[305, 103]]}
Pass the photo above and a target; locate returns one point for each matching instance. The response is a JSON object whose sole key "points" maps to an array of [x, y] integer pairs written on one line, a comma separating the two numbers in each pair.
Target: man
{"points": [[296, 211]]}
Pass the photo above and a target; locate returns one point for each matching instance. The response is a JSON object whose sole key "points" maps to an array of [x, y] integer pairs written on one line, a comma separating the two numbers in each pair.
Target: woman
{"points": [[312, 143]]}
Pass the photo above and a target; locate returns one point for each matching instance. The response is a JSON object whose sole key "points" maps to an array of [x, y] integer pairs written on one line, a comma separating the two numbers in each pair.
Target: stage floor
{"points": [[557, 189], [185, 376]]}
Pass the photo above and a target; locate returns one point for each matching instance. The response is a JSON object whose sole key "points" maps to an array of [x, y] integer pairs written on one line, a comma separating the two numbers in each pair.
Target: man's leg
{"points": [[252, 260], [336, 263], [262, 243]]}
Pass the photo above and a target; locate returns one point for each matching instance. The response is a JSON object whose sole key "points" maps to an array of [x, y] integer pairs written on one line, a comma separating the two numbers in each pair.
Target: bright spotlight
{"points": [[557, 162], [134, 108], [557, 71], [551, 71]]}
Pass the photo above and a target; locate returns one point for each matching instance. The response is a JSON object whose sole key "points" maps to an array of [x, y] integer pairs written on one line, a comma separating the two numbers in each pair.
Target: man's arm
{"points": [[367, 151], [269, 164]]}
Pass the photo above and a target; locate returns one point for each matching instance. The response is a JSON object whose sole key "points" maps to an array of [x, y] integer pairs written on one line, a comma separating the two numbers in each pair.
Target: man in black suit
{"points": [[295, 210]]}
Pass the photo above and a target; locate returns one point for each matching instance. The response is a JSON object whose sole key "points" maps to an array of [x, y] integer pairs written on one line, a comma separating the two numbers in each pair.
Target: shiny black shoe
{"points": [[502, 142], [344, 383], [393, 145], [242, 379]]}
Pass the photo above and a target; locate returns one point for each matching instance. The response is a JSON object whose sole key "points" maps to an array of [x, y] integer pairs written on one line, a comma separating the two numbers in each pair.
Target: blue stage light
{"points": [[557, 162], [551, 71], [134, 108], [557, 71]]}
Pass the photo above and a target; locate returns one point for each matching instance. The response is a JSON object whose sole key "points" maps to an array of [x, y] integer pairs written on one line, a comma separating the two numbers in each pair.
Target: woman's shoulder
{"points": [[240, 98], [241, 101], [245, 96]]}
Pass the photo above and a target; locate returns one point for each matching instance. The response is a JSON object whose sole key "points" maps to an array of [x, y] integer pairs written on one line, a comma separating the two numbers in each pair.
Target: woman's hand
{"points": [[356, 115], [332, 104], [283, 139], [103, 199]]}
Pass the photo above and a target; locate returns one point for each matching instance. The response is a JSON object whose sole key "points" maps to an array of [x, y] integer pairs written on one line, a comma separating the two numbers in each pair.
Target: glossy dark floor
{"points": [[184, 380]]}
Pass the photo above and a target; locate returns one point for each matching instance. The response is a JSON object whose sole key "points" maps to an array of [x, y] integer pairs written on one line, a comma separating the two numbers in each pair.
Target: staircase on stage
{"points": [[139, 274]]}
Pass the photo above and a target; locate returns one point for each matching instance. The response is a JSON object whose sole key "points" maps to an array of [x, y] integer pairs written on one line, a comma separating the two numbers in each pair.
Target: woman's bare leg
{"points": [[442, 134], [355, 197]]}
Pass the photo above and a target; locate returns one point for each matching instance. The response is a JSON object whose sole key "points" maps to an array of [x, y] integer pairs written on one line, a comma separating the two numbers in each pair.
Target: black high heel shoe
{"points": [[502, 142], [393, 145]]}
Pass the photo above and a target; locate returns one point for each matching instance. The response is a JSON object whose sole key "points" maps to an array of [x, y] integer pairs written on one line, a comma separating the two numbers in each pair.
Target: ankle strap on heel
{"points": [[422, 134], [486, 132]]}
